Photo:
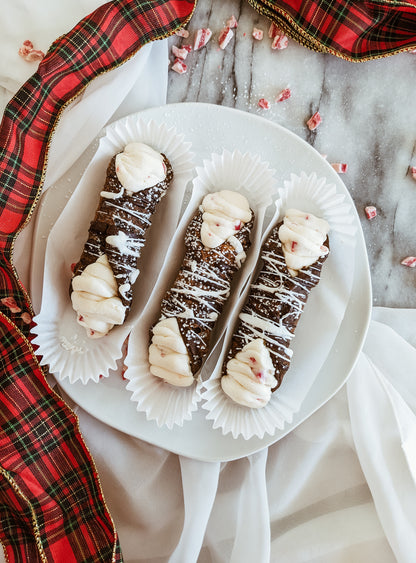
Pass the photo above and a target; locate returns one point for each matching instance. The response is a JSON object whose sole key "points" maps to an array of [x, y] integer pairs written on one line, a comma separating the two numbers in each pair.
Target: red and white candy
{"points": [[413, 172], [280, 42], [231, 22], [26, 318], [409, 261], [225, 37], [179, 66], [314, 121], [284, 95], [370, 211], [257, 33], [340, 167], [29, 53], [11, 304], [274, 31], [181, 52], [182, 32], [263, 103], [202, 36]]}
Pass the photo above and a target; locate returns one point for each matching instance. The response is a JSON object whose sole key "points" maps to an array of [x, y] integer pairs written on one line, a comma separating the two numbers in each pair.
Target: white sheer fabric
{"points": [[339, 488]]}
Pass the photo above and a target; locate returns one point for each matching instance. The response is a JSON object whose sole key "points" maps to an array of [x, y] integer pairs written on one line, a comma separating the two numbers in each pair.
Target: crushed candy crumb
{"points": [[181, 52], [263, 103], [409, 261], [257, 33], [280, 42], [202, 36], [274, 31], [182, 32], [225, 37], [26, 318], [284, 95], [179, 66], [370, 211], [231, 22], [11, 304], [314, 121], [340, 167], [29, 53]]}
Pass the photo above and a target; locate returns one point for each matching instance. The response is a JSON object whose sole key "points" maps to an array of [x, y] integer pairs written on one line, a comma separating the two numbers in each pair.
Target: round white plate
{"points": [[212, 128]]}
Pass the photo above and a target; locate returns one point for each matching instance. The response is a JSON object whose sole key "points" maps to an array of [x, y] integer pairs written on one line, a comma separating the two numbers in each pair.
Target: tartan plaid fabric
{"points": [[52, 508], [356, 31], [51, 504]]}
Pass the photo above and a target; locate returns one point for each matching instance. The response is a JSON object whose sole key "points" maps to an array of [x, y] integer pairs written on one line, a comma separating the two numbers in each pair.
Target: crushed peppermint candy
{"points": [[370, 211], [278, 37], [413, 172], [340, 167], [11, 304], [202, 36], [263, 103], [225, 37], [182, 32], [409, 261], [284, 95], [274, 31], [314, 121], [181, 52], [26, 318], [29, 53], [257, 33], [179, 66], [280, 42], [231, 22]]}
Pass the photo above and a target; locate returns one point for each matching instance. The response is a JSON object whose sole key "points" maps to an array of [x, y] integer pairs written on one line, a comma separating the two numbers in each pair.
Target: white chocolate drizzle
{"points": [[270, 316]]}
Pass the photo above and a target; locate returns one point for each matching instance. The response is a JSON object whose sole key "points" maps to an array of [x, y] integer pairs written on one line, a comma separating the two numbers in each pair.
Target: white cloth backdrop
{"points": [[340, 488]]}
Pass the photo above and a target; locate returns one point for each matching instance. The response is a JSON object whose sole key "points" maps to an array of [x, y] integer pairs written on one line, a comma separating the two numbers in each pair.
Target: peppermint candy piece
{"points": [[202, 36], [263, 103], [409, 261], [284, 95], [370, 212], [225, 37], [340, 167], [314, 121], [179, 66]]}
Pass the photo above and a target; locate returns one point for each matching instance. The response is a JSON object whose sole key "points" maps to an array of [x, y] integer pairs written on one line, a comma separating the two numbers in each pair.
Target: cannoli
{"points": [[290, 266], [216, 241], [101, 287]]}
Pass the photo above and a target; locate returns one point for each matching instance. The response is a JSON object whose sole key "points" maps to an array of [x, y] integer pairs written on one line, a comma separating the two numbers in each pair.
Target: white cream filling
{"points": [[224, 212], [250, 375], [168, 356], [302, 236], [95, 298], [139, 167]]}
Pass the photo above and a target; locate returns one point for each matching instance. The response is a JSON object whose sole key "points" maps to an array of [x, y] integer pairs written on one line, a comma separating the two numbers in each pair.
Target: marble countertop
{"points": [[368, 122]]}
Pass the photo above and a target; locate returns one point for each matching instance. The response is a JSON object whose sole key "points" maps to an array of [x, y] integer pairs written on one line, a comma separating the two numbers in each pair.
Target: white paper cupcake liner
{"points": [[63, 344], [317, 328], [247, 174]]}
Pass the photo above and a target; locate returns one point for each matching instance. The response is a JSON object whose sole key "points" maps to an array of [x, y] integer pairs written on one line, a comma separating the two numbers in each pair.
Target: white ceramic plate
{"points": [[212, 128]]}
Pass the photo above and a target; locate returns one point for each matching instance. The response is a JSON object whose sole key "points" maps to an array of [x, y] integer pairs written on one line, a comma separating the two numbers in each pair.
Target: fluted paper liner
{"points": [[247, 174], [63, 344], [317, 327]]}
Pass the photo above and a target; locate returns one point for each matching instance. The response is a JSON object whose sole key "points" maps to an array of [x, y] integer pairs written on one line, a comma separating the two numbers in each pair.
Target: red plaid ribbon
{"points": [[52, 508], [352, 30]]}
